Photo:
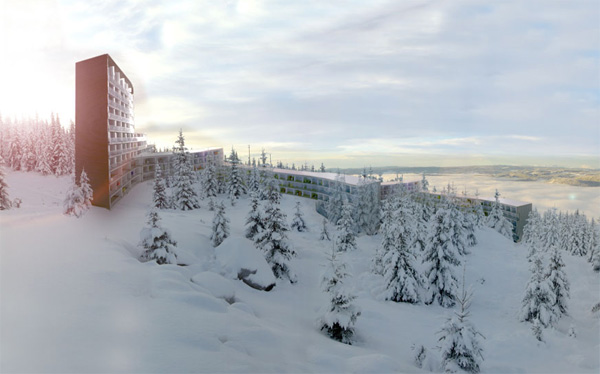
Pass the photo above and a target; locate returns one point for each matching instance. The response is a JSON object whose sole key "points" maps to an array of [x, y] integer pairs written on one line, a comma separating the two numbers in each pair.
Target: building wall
{"points": [[91, 117]]}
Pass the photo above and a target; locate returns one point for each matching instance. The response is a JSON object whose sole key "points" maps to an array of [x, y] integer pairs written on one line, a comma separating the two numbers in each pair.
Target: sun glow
{"points": [[29, 84]]}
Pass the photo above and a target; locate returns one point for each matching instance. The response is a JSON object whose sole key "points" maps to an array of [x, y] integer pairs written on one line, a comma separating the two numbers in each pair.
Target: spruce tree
{"points": [[388, 237], [209, 180], [5, 202], [14, 151], [461, 349], [559, 284], [324, 232], [400, 275], [340, 313], [220, 226], [538, 300], [73, 203], [160, 199], [254, 221], [235, 185], [551, 229], [497, 221], [441, 258], [156, 241], [184, 193], [532, 233], [87, 194], [336, 200], [273, 239], [346, 238], [298, 222], [469, 224]]}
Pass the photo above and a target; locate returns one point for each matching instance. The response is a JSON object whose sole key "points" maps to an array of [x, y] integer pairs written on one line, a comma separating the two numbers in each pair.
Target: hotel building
{"points": [[113, 155], [319, 186]]}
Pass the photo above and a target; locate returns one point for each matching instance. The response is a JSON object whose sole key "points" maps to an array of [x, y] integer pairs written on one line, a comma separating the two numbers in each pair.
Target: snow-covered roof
{"points": [[390, 183], [147, 153], [348, 179]]}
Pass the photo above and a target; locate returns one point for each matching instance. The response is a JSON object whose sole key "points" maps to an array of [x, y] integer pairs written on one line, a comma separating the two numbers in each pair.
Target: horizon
{"points": [[419, 84]]}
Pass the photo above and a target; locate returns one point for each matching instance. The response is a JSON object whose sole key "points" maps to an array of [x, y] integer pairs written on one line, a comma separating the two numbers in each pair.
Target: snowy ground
{"points": [[74, 298]]}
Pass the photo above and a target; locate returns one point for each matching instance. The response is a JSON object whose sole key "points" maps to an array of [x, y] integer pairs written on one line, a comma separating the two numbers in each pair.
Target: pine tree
{"points": [[469, 224], [254, 221], [478, 210], [336, 200], [156, 241], [73, 203], [440, 258], [184, 194], [551, 229], [87, 194], [457, 231], [497, 221], [340, 313], [388, 237], [559, 284], [532, 232], [220, 226], [298, 222], [273, 240], [401, 278], [235, 186], [345, 238], [324, 232], [254, 181], [5, 202], [14, 152], [209, 180], [538, 300], [160, 199], [461, 349]]}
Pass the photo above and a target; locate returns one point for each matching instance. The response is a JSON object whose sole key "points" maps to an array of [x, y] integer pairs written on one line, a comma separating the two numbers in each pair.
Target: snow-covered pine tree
{"points": [[469, 224], [209, 180], [254, 221], [159, 198], [220, 226], [400, 275], [324, 232], [273, 239], [14, 151], [73, 203], [184, 193], [551, 229], [235, 185], [340, 313], [478, 210], [497, 221], [538, 300], [424, 184], [579, 241], [559, 284], [345, 238], [254, 181], [388, 236], [87, 194], [5, 202], [441, 258], [336, 200], [298, 221], [156, 241], [461, 349], [532, 233], [457, 231]]}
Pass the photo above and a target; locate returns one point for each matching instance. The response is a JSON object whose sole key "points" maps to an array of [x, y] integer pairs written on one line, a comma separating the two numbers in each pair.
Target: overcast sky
{"points": [[350, 83]]}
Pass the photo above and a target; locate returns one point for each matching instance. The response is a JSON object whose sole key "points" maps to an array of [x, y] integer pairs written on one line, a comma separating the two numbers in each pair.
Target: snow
{"points": [[75, 298]]}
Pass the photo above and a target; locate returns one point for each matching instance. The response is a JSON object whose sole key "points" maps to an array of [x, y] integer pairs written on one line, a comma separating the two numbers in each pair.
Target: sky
{"points": [[346, 83]]}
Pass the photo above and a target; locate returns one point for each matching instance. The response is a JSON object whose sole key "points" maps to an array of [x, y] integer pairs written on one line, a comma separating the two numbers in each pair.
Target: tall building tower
{"points": [[106, 144]]}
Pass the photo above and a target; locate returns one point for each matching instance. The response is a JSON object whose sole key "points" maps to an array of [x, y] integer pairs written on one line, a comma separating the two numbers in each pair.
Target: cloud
{"points": [[461, 77]]}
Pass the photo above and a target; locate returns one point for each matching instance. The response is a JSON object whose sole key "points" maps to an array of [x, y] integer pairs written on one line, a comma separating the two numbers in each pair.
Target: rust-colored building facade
{"points": [[106, 144]]}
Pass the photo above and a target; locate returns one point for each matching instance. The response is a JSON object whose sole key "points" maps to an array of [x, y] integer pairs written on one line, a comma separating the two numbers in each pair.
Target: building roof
{"points": [[348, 179]]}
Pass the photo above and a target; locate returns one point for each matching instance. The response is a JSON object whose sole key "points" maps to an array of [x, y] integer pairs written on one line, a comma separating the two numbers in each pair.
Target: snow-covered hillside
{"points": [[75, 298]]}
